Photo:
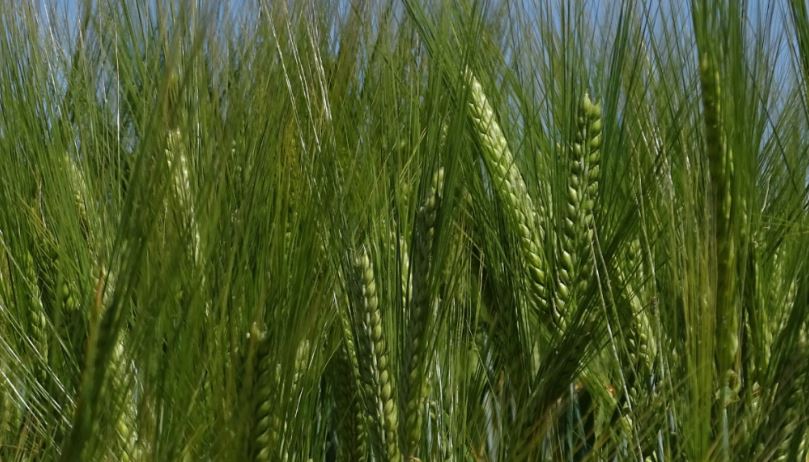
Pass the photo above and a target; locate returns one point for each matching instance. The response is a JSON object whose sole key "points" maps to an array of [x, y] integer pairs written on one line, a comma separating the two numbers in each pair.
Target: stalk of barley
{"points": [[407, 275], [122, 384], [756, 322], [720, 166], [301, 363], [81, 196], [177, 160], [575, 263], [351, 417], [374, 364], [121, 377], [416, 361], [348, 337], [641, 341], [353, 433], [56, 287], [299, 367], [38, 319], [270, 428], [10, 411], [512, 191], [267, 426], [398, 248]]}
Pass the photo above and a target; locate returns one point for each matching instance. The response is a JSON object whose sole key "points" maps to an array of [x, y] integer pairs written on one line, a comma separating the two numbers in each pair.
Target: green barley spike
{"points": [[354, 434], [720, 166], [511, 189], [266, 422], [10, 412], [374, 362], [126, 421], [348, 336], [81, 196], [575, 264], [63, 292], [350, 415], [38, 317], [397, 246], [177, 160], [417, 363], [643, 348], [301, 365]]}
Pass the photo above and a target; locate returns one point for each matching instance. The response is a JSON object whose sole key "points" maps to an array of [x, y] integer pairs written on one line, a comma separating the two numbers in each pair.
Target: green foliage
{"points": [[404, 230]]}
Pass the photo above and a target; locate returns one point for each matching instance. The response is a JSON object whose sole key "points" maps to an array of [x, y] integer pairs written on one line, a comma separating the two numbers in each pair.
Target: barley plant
{"points": [[401, 230]]}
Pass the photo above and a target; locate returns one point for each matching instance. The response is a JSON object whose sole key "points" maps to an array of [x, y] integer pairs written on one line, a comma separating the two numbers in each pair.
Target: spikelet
{"points": [[404, 266], [380, 396], [575, 262], [512, 191], [416, 362]]}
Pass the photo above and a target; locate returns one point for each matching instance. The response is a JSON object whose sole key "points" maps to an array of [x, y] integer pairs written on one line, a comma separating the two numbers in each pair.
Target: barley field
{"points": [[404, 230]]}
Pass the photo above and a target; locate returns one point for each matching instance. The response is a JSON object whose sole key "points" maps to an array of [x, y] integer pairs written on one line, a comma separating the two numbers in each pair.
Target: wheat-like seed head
{"points": [[720, 166], [126, 421], [81, 195], [641, 340], [350, 415], [10, 411], [416, 364], [38, 318], [177, 160], [267, 424], [575, 262], [374, 361], [511, 189]]}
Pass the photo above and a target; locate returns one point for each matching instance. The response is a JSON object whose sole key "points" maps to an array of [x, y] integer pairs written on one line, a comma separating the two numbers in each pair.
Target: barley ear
{"points": [[640, 339], [416, 361], [512, 191], [720, 166], [380, 396], [350, 415], [38, 318], [10, 412], [575, 262], [126, 423], [177, 160], [266, 422], [352, 431]]}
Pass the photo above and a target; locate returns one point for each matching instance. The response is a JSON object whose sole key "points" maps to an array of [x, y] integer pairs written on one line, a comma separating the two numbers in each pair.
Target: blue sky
{"points": [[772, 11]]}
